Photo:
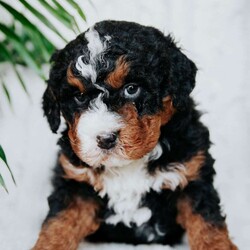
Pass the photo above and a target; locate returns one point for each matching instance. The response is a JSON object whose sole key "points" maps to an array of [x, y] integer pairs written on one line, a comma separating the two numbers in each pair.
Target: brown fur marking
{"points": [[140, 135], [81, 173], [201, 234], [116, 78], [72, 80], [168, 110], [72, 133], [194, 165], [69, 227], [77, 173]]}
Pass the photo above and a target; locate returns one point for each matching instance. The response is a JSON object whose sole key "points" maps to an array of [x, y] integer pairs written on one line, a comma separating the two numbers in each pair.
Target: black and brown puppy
{"points": [[134, 164]]}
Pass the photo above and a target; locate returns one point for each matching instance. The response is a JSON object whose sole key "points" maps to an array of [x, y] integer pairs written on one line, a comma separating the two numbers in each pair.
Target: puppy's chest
{"points": [[125, 189]]}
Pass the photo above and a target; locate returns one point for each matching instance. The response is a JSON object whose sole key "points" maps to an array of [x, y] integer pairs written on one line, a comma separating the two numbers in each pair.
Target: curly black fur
{"points": [[160, 67]]}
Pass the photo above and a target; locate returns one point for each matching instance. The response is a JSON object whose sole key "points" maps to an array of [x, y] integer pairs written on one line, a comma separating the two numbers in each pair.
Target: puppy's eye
{"points": [[132, 91], [80, 98]]}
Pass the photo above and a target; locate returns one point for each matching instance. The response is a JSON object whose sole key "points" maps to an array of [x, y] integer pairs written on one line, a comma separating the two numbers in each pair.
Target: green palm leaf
{"points": [[67, 15], [2, 183], [5, 54], [21, 49], [58, 13], [6, 91], [31, 28], [3, 158], [42, 18], [78, 9], [28, 45]]}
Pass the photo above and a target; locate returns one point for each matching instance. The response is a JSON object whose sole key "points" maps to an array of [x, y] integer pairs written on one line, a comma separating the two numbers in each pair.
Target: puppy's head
{"points": [[116, 85]]}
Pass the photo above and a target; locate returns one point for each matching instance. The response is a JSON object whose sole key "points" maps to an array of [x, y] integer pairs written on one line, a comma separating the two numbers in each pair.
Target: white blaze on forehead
{"points": [[97, 120], [96, 50], [87, 70], [95, 45]]}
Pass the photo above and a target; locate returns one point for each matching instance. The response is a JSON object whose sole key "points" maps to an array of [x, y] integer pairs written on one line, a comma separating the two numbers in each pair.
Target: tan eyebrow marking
{"points": [[116, 78], [73, 80]]}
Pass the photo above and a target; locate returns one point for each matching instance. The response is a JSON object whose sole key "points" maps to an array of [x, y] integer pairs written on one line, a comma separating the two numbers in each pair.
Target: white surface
{"points": [[216, 35]]}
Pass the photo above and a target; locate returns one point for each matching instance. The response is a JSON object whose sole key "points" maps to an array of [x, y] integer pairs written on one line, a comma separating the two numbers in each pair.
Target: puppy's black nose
{"points": [[106, 141]]}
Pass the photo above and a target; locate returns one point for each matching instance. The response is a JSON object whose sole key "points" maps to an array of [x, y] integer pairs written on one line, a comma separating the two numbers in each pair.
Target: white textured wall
{"points": [[215, 34]]}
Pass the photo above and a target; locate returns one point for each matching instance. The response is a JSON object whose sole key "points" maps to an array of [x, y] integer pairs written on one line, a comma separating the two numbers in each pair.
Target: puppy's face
{"points": [[116, 85]]}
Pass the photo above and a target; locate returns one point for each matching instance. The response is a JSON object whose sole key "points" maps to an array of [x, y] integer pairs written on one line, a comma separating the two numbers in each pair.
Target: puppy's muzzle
{"points": [[107, 141]]}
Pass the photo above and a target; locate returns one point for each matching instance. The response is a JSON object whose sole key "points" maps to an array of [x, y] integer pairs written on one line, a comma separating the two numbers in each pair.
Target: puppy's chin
{"points": [[97, 157], [115, 159]]}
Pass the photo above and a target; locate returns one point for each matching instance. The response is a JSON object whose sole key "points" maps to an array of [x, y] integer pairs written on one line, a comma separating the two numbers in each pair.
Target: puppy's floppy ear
{"points": [[50, 102], [181, 77], [51, 109]]}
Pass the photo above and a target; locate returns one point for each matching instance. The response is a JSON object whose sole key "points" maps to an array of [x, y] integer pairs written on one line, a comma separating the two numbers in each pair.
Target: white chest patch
{"points": [[125, 186]]}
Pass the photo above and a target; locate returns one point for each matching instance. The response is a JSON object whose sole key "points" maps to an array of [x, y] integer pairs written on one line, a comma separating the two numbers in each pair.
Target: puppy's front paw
{"points": [[171, 178]]}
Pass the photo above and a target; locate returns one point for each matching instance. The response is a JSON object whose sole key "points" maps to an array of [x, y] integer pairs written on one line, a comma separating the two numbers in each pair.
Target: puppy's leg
{"points": [[69, 227], [205, 229]]}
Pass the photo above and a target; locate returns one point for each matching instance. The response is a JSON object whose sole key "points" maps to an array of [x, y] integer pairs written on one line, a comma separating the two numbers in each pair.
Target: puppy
{"points": [[134, 164]]}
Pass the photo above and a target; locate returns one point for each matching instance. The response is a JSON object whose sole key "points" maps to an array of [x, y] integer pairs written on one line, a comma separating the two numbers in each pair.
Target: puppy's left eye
{"points": [[132, 90], [80, 99]]}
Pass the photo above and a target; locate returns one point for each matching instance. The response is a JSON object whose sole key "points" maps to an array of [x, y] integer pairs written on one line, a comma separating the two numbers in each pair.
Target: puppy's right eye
{"points": [[132, 90], [80, 98]]}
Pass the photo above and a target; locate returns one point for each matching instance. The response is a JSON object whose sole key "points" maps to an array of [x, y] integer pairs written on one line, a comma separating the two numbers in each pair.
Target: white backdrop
{"points": [[215, 34]]}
